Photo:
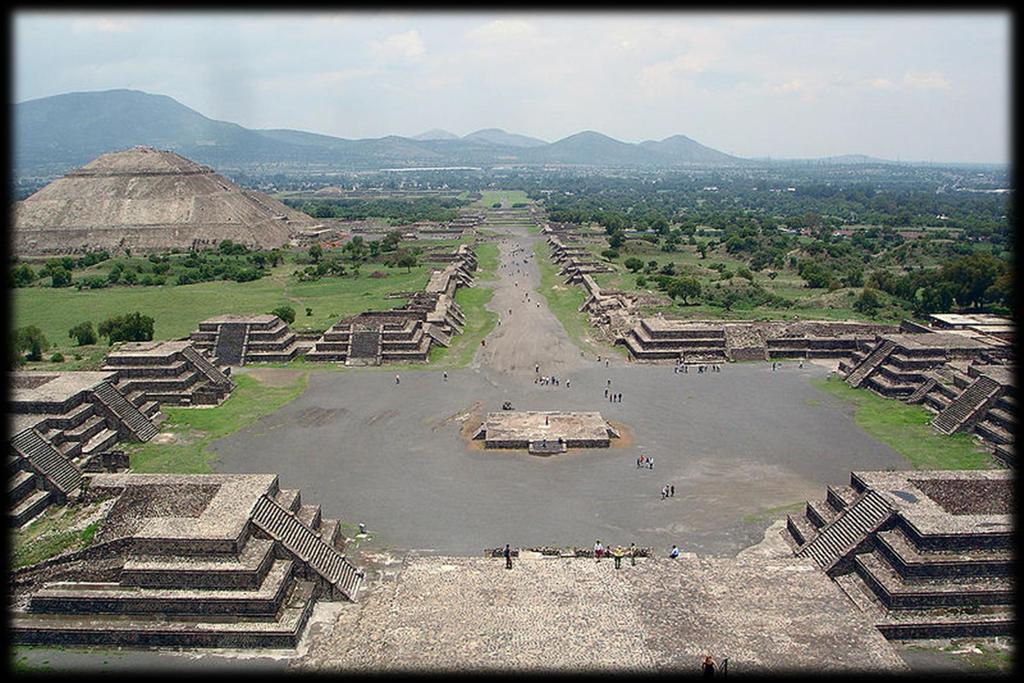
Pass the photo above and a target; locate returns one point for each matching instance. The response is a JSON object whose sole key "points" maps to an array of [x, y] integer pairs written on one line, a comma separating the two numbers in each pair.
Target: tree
{"points": [[616, 240], [83, 333], [60, 276], [633, 264], [868, 302], [407, 261], [31, 341], [23, 275], [684, 288], [130, 327], [285, 313], [316, 252]]}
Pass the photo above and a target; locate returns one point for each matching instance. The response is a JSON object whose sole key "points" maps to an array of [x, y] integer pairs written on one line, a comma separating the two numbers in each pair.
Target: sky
{"points": [[912, 86]]}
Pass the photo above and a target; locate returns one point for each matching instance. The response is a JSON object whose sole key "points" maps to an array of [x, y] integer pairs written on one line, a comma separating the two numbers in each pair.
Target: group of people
{"points": [[552, 380], [617, 553], [645, 461], [668, 491], [682, 367]]}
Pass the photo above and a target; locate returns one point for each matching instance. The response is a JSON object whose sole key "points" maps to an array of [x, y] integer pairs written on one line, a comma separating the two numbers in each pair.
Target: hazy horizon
{"points": [[911, 86]]}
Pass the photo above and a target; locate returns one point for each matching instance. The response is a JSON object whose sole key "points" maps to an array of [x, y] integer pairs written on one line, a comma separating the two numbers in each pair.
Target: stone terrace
{"points": [[187, 561], [241, 339], [172, 372], [925, 554], [457, 613], [530, 429]]}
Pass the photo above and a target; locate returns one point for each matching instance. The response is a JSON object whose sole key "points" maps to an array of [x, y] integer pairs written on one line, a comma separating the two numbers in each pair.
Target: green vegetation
{"points": [[906, 429], [392, 210], [506, 198], [55, 531], [193, 429], [565, 301]]}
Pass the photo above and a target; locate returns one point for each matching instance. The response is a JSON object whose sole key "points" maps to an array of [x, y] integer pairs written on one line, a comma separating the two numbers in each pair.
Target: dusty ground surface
{"points": [[577, 614], [734, 444]]}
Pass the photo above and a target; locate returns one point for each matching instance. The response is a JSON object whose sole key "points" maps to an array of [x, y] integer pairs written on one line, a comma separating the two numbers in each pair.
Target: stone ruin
{"points": [[63, 424], [407, 333], [659, 339], [575, 261], [964, 376], [168, 372], [149, 200], [216, 560], [240, 339], [925, 554], [545, 432]]}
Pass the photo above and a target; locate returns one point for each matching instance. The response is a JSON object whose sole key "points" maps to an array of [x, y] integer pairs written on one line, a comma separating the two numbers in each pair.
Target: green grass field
{"points": [[565, 301], [507, 198], [906, 429], [57, 530], [193, 429]]}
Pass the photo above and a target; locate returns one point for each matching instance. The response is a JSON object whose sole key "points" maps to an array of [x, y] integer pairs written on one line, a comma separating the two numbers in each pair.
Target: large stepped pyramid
{"points": [[187, 561], [241, 339], [168, 372], [927, 554], [145, 199]]}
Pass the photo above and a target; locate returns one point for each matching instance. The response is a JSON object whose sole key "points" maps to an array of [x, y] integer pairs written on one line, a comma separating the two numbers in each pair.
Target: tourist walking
{"points": [[398, 380], [617, 554], [632, 554], [650, 463], [664, 492], [445, 375], [708, 667], [508, 557], [671, 490], [674, 553], [598, 550]]}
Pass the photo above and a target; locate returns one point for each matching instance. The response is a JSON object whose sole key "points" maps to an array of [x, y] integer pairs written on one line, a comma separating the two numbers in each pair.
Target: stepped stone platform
{"points": [[662, 339], [407, 333], [63, 423], [241, 339], [966, 378], [169, 372], [545, 432], [187, 561], [926, 554]]}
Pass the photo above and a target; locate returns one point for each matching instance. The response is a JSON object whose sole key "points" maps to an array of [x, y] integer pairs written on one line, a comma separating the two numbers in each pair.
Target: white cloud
{"points": [[400, 47], [926, 80], [502, 30], [103, 24]]}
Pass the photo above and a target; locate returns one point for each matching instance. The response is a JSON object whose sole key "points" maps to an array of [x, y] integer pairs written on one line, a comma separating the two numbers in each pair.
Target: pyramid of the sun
{"points": [[146, 199]]}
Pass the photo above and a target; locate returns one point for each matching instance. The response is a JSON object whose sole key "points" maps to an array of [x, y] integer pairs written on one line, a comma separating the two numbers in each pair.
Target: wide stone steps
{"points": [[912, 563], [26, 509], [282, 525], [47, 461], [1002, 418], [283, 631], [85, 431], [137, 423], [894, 592], [837, 539], [960, 411], [229, 347], [204, 366], [310, 516], [116, 598], [972, 622], [244, 571], [841, 497], [20, 484], [289, 499], [868, 365], [921, 391], [100, 442]]}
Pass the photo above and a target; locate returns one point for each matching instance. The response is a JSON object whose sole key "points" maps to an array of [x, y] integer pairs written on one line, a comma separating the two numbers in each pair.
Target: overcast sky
{"points": [[909, 86]]}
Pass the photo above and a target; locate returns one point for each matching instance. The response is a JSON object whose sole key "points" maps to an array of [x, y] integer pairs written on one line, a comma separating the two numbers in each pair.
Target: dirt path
{"points": [[530, 334]]}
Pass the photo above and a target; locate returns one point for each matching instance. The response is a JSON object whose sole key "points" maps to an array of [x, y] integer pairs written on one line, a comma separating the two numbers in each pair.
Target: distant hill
{"points": [[435, 134], [59, 133], [496, 136]]}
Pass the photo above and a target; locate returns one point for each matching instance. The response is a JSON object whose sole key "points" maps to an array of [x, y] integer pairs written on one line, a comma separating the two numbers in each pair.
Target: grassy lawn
{"points": [[507, 198], [57, 530], [906, 429], [193, 429], [565, 301]]}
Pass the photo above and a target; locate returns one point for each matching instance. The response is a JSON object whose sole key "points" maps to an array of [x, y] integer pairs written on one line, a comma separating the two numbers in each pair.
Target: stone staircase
{"points": [[838, 538], [963, 412], [921, 391], [205, 366], [229, 348], [282, 524], [129, 414], [47, 461], [869, 364], [364, 347]]}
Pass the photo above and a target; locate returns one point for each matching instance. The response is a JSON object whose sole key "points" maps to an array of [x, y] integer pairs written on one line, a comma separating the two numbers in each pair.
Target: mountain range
{"points": [[62, 132]]}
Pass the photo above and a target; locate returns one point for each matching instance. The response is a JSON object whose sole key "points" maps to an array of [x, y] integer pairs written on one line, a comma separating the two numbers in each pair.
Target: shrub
{"points": [[58, 357], [60, 276], [130, 327], [23, 275], [32, 341], [285, 313], [83, 333]]}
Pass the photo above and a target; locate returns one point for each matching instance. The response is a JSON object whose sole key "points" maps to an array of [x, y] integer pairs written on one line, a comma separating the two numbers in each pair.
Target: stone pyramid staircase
{"points": [[969, 407], [133, 418], [870, 363], [840, 537]]}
